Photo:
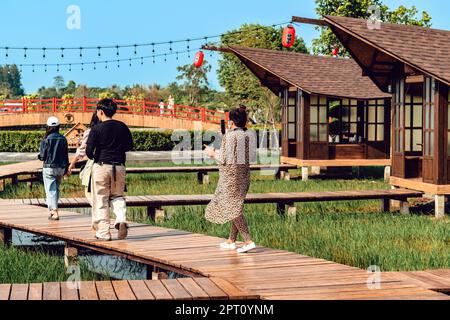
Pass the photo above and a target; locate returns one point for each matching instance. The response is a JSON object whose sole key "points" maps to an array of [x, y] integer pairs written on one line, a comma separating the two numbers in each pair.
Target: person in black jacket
{"points": [[107, 144], [54, 153]]}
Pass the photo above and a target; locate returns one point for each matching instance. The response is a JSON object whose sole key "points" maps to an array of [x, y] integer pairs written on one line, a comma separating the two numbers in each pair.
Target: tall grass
{"points": [[19, 266]]}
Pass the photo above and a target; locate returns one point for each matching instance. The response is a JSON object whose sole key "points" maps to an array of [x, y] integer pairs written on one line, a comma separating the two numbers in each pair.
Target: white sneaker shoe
{"points": [[246, 248], [228, 246]]}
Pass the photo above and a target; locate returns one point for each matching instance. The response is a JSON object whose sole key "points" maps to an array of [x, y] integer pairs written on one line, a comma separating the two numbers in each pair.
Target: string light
{"points": [[117, 50], [62, 53], [95, 67], [130, 62], [142, 61], [81, 52], [57, 68], [135, 49], [82, 67], [43, 53], [24, 53], [6, 53], [135, 45]]}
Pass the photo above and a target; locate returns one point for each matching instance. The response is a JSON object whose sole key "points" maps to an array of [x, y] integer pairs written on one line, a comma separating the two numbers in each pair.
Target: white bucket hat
{"points": [[53, 122]]}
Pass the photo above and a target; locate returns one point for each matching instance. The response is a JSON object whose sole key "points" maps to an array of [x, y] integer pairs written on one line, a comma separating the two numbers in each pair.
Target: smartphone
{"points": [[222, 126]]}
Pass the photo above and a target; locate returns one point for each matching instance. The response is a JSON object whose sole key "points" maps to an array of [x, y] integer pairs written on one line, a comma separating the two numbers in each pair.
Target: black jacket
{"points": [[54, 151]]}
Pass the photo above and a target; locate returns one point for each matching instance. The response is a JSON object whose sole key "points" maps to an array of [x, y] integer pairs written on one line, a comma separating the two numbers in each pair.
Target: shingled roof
{"points": [[424, 49], [321, 75]]}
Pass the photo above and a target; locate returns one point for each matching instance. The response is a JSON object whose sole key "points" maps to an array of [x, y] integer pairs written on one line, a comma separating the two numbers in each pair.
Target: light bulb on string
{"points": [[153, 48], [153, 59], [24, 53], [170, 46], [70, 67], [81, 52], [142, 61], [117, 50], [106, 64], [82, 66], [130, 62], [45, 68], [165, 57], [135, 49], [177, 56], [33, 67], [188, 51], [6, 53], [118, 64], [99, 53], [43, 53], [20, 67], [57, 68], [62, 53], [95, 67]]}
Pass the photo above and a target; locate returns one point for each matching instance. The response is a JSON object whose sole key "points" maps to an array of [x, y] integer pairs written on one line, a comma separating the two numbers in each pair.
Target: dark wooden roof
{"points": [[425, 50], [328, 76]]}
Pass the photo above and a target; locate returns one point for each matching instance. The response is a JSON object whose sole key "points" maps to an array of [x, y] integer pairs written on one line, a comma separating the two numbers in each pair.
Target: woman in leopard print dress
{"points": [[233, 159]]}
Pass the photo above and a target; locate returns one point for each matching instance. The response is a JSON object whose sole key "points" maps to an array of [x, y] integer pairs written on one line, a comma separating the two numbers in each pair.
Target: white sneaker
{"points": [[246, 248], [228, 246]]}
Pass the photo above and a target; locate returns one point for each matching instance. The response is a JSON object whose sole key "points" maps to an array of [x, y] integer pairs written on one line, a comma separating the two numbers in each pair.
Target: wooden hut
{"points": [[412, 64], [332, 116]]}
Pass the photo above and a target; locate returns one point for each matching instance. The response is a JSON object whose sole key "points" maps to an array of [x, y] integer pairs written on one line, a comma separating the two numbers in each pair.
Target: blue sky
{"points": [[109, 22]]}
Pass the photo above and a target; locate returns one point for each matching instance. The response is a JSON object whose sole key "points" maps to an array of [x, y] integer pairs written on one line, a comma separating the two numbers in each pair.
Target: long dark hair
{"points": [[239, 116], [94, 120], [50, 130]]}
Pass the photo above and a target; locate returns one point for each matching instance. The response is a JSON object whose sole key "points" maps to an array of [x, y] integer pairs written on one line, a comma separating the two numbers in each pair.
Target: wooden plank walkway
{"points": [[281, 199], [437, 280], [268, 273], [22, 168], [167, 289]]}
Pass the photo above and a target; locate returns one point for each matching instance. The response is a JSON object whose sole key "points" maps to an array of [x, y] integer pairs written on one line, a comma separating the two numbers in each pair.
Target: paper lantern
{"points": [[288, 38], [198, 60]]}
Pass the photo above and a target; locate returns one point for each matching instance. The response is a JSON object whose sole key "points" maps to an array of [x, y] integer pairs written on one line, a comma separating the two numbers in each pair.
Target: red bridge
{"points": [[136, 113]]}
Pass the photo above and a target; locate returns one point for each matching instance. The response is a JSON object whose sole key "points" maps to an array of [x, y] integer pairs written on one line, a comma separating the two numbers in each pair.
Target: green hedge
{"points": [[28, 141]]}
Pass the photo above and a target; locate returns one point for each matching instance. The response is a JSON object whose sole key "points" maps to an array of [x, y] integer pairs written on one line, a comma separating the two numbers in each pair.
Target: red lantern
{"points": [[288, 37], [198, 61], [335, 51]]}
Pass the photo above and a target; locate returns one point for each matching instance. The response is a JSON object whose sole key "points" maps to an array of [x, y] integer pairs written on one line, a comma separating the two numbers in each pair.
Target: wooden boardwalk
{"points": [[168, 289], [437, 280], [265, 272]]}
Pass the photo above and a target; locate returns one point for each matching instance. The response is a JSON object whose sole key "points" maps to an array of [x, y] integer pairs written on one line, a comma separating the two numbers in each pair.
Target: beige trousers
{"points": [[107, 193]]}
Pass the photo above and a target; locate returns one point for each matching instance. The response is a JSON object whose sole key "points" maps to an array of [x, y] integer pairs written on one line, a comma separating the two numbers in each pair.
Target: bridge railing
{"points": [[132, 107]]}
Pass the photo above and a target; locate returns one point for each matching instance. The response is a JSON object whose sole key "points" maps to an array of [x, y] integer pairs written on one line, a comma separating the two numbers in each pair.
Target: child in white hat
{"points": [[54, 153]]}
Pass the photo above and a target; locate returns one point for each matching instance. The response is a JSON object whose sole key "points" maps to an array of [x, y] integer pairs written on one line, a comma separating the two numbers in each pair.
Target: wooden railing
{"points": [[137, 107]]}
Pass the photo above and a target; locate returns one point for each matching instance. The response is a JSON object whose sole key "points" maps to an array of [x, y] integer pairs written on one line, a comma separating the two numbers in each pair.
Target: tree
{"points": [[327, 41], [195, 81], [58, 83], [11, 81], [240, 84]]}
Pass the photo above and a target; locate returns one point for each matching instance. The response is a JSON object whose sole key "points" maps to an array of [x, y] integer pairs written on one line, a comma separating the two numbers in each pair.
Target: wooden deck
{"points": [[268, 273], [436, 280], [337, 162], [168, 289], [282, 200]]}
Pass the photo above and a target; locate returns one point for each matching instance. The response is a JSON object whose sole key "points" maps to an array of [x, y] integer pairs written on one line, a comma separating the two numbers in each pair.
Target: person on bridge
{"points": [[234, 181], [106, 145], [54, 152], [80, 154]]}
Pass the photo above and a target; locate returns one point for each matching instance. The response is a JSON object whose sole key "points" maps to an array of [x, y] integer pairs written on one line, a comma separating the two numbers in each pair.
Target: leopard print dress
{"points": [[234, 178]]}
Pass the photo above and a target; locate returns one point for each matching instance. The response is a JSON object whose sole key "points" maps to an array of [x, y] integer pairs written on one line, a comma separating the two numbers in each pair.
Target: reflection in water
{"points": [[110, 266]]}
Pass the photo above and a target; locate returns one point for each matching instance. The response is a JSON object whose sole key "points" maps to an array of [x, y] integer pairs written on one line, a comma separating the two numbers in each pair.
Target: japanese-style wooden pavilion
{"points": [[412, 63], [332, 116]]}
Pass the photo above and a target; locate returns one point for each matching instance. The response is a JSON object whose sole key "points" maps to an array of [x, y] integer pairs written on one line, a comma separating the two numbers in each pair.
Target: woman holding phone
{"points": [[233, 159]]}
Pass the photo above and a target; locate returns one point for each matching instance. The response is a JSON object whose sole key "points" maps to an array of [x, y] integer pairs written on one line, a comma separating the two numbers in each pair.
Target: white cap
{"points": [[53, 122]]}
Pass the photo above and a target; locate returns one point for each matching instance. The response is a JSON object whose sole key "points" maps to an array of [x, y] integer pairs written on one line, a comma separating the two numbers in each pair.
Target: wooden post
{"points": [[286, 175], [2, 185], [15, 180], [387, 173], [5, 237], [404, 206], [149, 269], [157, 274], [281, 209], [70, 255], [202, 177], [385, 205], [315, 170], [305, 174], [395, 204], [292, 210], [439, 206]]}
